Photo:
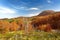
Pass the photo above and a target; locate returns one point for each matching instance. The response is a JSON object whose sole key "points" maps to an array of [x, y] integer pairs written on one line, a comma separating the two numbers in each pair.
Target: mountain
{"points": [[49, 19], [46, 12]]}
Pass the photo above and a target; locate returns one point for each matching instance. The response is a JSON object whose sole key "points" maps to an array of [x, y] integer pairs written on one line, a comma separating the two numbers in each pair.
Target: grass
{"points": [[35, 35]]}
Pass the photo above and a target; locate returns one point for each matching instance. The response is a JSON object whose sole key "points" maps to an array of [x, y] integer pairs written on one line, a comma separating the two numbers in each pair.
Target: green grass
{"points": [[21, 35]]}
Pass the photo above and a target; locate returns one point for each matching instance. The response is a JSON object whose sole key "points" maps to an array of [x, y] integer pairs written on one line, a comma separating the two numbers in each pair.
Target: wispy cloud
{"points": [[49, 1], [32, 14], [25, 8], [6, 10], [33, 9]]}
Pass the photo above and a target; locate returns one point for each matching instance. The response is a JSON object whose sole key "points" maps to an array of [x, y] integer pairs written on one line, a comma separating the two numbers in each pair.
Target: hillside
{"points": [[46, 12], [46, 21]]}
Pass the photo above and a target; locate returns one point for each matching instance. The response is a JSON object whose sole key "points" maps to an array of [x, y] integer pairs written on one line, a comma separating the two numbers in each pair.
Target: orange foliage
{"points": [[45, 27], [21, 24], [13, 26], [4, 26]]}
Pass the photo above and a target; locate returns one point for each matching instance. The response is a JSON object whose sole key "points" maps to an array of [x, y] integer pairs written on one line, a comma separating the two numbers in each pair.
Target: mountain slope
{"points": [[46, 12]]}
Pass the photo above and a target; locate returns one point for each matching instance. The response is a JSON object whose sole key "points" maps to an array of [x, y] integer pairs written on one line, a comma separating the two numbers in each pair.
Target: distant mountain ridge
{"points": [[46, 12]]}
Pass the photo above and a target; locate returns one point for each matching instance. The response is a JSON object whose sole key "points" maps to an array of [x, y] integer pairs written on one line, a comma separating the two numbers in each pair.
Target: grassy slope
{"points": [[20, 35]]}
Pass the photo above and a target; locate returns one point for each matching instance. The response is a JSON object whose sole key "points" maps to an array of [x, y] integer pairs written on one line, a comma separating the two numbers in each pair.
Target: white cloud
{"points": [[33, 9], [32, 14], [4, 10], [49, 1]]}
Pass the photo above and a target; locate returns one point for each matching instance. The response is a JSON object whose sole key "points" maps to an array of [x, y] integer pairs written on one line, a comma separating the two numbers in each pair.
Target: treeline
{"points": [[47, 22], [8, 25]]}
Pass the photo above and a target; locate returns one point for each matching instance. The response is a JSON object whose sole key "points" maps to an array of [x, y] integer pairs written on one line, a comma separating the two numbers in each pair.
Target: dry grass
{"points": [[20, 35]]}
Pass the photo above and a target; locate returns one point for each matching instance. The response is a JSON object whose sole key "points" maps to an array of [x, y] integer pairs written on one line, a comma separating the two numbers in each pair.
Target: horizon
{"points": [[29, 16], [26, 8]]}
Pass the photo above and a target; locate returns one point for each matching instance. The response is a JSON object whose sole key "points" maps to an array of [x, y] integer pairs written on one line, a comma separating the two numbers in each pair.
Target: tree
{"points": [[4, 26], [13, 26]]}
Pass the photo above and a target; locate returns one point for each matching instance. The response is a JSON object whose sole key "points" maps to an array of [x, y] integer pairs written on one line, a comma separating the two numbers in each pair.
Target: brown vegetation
{"points": [[46, 22]]}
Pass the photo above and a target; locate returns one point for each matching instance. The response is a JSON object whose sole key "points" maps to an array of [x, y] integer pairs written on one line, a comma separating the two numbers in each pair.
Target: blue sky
{"points": [[27, 8]]}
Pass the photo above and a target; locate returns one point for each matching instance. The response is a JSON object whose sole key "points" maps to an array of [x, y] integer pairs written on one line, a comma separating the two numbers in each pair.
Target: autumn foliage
{"points": [[42, 23]]}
